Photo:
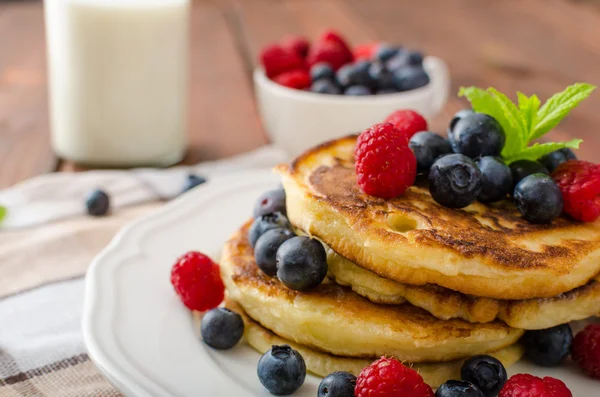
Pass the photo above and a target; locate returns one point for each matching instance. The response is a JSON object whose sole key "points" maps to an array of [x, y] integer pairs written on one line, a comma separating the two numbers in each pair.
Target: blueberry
{"points": [[382, 77], [427, 147], [268, 202], [414, 58], [337, 384], [266, 248], [267, 222], [301, 263], [497, 179], [281, 370], [538, 198], [477, 135], [221, 328], [548, 347], [355, 74], [410, 78], [386, 52], [485, 372], [553, 160], [522, 168], [97, 203], [459, 115], [357, 90], [192, 181], [405, 58], [325, 87], [458, 388], [455, 181], [322, 70]]}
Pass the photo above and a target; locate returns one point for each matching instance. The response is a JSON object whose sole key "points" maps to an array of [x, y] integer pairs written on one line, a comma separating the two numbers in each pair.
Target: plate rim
{"points": [[122, 374]]}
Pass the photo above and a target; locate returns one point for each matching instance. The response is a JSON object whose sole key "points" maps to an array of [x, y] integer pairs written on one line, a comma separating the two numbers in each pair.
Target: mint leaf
{"points": [[558, 106], [515, 131], [538, 150], [529, 108], [483, 101], [3, 212]]}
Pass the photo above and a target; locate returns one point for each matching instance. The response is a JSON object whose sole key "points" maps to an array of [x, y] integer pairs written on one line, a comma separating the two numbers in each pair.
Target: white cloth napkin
{"points": [[54, 196]]}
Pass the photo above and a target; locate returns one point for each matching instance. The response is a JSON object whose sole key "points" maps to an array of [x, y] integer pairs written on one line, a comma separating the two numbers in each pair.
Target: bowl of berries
{"points": [[311, 92]]}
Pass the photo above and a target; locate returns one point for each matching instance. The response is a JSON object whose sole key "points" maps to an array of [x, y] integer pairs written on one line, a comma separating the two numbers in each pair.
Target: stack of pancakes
{"points": [[408, 278]]}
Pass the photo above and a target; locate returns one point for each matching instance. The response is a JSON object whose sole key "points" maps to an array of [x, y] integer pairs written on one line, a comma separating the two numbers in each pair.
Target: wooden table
{"points": [[535, 46]]}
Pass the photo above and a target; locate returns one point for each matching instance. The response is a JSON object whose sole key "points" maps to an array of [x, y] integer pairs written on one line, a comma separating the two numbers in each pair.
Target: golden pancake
{"points": [[335, 320], [539, 313], [322, 364], [481, 250]]}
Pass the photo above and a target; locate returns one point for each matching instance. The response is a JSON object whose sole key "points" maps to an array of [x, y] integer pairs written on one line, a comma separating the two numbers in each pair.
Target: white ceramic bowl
{"points": [[296, 120]]}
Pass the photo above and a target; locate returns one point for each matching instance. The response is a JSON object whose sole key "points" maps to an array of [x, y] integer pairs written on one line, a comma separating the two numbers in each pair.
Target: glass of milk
{"points": [[118, 78]]}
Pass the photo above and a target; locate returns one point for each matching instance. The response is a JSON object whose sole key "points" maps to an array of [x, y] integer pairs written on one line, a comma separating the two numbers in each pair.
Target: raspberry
{"points": [[276, 60], [525, 385], [329, 52], [298, 79], [579, 182], [365, 51], [585, 350], [333, 36], [388, 377], [407, 121], [385, 165], [296, 44], [197, 281]]}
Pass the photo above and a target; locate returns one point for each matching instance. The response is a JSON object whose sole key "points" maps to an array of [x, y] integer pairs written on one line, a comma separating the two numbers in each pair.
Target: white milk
{"points": [[118, 77]]}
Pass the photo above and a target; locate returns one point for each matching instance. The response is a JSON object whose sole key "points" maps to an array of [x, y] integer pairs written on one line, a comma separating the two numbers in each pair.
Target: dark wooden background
{"points": [[535, 46]]}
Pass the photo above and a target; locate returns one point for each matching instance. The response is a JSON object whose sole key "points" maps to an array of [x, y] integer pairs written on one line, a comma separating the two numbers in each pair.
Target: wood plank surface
{"points": [[535, 46]]}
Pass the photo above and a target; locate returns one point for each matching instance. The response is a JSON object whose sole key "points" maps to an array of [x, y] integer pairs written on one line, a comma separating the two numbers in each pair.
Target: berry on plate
{"points": [[97, 203], [389, 377], [427, 147], [267, 222], [296, 44], [281, 370], [197, 281], [455, 181], [192, 181], [407, 121], [548, 347], [457, 116], [476, 135], [553, 160], [301, 263], [523, 168], [276, 60], [458, 388], [538, 198], [266, 249], [579, 182], [586, 350], [485, 372], [525, 385], [337, 384], [298, 79], [385, 165], [268, 202], [221, 328], [497, 179]]}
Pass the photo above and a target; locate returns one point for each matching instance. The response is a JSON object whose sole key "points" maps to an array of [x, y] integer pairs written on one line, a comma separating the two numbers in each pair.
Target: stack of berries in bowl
{"points": [[489, 156], [331, 66]]}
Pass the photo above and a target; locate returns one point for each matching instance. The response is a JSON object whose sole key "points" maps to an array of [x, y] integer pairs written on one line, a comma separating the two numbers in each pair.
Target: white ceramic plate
{"points": [[140, 335]]}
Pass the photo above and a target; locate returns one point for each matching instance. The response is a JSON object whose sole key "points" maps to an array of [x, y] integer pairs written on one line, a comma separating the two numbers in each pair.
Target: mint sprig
{"points": [[526, 121], [3, 212]]}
